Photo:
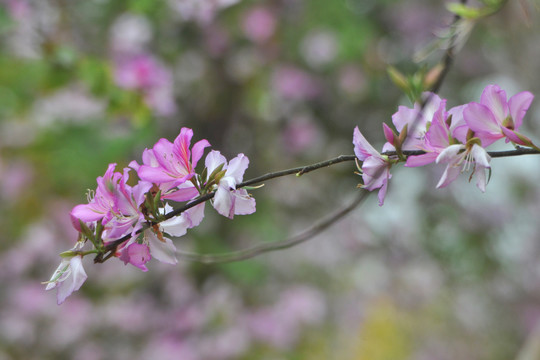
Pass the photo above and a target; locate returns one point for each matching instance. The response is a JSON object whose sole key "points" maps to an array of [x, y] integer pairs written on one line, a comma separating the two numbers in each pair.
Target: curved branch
{"points": [[256, 250]]}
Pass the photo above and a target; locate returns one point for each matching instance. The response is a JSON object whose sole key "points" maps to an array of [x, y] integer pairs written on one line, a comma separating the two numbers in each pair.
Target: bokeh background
{"points": [[434, 274]]}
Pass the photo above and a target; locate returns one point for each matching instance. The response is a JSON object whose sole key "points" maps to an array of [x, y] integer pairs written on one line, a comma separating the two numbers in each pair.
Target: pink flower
{"points": [[495, 117], [295, 84], [437, 138], [417, 120], [100, 205], [229, 201], [137, 255], [460, 158], [375, 167], [146, 74], [69, 276], [171, 165], [259, 24], [115, 204], [127, 216]]}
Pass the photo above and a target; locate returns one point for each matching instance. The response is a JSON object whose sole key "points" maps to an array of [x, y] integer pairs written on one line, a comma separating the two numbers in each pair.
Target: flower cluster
{"points": [[135, 223], [456, 137]]}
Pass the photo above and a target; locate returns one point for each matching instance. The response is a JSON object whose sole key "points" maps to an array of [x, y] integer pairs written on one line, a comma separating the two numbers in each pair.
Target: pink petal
{"points": [[375, 171], [388, 134], [213, 160], [481, 181], [450, 174], [421, 160], [451, 154], [437, 135], [181, 146], [243, 203], [156, 175], [86, 213], [182, 194], [163, 152], [223, 202], [403, 116], [149, 157], [458, 127], [480, 156], [197, 151], [382, 192], [237, 167], [516, 137], [495, 100], [163, 251], [432, 105], [137, 255], [74, 281], [519, 104], [362, 148], [195, 215], [479, 118]]}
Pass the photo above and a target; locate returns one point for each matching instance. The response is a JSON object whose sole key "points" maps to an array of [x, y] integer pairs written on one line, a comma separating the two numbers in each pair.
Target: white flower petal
{"points": [[213, 160], [237, 167], [223, 202], [243, 203], [480, 156], [161, 251], [450, 154]]}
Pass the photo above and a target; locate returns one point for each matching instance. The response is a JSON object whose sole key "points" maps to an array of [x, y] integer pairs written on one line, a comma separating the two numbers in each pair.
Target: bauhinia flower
{"points": [[460, 158], [70, 274], [137, 255], [228, 200], [375, 167], [102, 203], [436, 140], [171, 165], [417, 121], [495, 118], [127, 215]]}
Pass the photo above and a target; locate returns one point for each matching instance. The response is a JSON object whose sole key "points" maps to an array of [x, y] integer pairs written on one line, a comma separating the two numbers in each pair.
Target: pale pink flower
{"points": [[495, 117], [417, 120], [137, 255], [293, 83], [437, 138], [460, 158], [259, 24], [145, 73], [101, 203], [375, 167], [229, 201], [69, 276]]}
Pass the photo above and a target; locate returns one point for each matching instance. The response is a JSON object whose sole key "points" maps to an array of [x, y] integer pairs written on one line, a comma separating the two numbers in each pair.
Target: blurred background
{"points": [[434, 274]]}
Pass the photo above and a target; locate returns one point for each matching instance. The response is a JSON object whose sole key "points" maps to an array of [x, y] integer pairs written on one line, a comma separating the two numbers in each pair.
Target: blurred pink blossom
{"points": [[351, 80], [170, 348], [280, 324], [301, 134], [18, 9], [145, 73], [259, 24], [293, 83], [15, 178]]}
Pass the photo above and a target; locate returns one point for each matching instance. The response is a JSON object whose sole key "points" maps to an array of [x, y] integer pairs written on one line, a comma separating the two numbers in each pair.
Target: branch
{"points": [[298, 171], [256, 250]]}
